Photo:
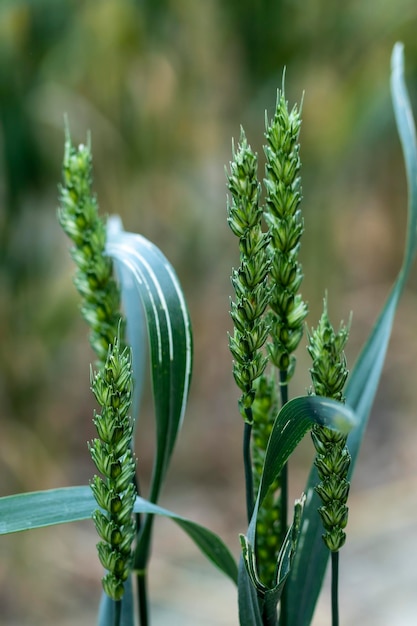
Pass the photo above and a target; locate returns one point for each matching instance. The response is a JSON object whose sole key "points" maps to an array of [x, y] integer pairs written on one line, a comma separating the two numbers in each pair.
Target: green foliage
{"points": [[153, 300], [295, 418], [28, 511], [308, 571], [158, 291]]}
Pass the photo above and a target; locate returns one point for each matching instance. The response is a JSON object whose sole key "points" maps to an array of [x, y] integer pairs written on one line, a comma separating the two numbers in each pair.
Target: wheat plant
{"points": [[126, 286]]}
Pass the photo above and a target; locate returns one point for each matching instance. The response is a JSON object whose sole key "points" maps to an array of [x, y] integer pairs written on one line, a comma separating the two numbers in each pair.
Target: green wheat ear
{"points": [[329, 373], [78, 216], [285, 223], [286, 316], [250, 279], [111, 452]]}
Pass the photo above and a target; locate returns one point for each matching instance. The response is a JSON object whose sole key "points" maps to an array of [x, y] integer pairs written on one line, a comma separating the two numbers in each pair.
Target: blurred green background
{"points": [[163, 86]]}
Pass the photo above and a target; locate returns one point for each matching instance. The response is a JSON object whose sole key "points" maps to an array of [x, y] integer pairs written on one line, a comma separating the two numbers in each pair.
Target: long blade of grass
{"points": [[306, 577], [38, 509], [155, 287]]}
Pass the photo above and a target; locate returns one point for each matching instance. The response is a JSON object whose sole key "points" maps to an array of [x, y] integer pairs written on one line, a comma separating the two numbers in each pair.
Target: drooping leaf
{"points": [[156, 288], [38, 509], [209, 543], [293, 421], [151, 286], [306, 577]]}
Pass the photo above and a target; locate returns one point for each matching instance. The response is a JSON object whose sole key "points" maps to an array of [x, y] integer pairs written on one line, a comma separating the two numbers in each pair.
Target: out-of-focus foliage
{"points": [[163, 85]]}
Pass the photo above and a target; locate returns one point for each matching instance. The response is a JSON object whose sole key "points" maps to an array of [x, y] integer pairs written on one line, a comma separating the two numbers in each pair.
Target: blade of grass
{"points": [[306, 577], [39, 509], [169, 329]]}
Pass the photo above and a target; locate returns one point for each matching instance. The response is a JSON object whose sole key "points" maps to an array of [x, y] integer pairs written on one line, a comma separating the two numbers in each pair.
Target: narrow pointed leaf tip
{"points": [[407, 133]]}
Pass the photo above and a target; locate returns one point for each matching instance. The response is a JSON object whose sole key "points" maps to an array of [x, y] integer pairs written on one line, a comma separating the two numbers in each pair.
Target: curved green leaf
{"points": [[38, 509], [310, 562], [157, 290], [151, 285], [209, 543], [293, 421]]}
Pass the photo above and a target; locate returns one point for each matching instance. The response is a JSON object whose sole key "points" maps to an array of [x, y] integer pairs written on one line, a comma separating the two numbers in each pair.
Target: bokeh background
{"points": [[163, 86]]}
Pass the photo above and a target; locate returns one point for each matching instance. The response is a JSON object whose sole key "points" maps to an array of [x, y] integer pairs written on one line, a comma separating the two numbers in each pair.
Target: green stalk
{"points": [[283, 615], [142, 592], [247, 463], [140, 565], [117, 612], [141, 580], [335, 588], [284, 473]]}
